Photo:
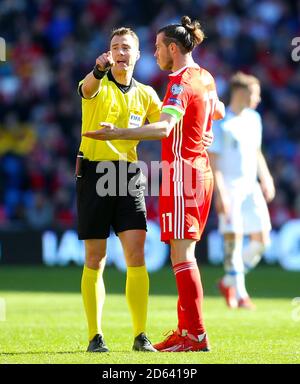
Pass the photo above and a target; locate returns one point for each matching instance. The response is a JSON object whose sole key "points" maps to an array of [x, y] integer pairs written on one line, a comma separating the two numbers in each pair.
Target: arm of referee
{"points": [[92, 81]]}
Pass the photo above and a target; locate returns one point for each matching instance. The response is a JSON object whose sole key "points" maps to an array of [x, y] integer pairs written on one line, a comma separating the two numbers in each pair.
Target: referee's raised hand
{"points": [[92, 82], [104, 61]]}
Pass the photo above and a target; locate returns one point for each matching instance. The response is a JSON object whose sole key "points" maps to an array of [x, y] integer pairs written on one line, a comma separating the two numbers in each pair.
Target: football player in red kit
{"points": [[189, 106]]}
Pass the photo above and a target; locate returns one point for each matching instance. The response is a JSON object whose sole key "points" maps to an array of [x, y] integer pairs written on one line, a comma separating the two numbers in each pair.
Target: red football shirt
{"points": [[191, 92]]}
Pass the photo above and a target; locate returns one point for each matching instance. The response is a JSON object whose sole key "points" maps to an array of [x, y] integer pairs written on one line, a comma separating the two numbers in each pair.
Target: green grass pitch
{"points": [[45, 322]]}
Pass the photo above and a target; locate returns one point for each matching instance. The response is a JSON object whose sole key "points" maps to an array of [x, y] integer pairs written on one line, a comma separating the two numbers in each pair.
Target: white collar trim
{"points": [[195, 65]]}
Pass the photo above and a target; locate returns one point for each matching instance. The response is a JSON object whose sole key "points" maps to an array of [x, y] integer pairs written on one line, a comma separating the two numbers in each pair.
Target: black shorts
{"points": [[110, 195]]}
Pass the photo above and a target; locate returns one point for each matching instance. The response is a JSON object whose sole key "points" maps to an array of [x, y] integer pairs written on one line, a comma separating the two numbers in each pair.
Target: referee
{"points": [[109, 93]]}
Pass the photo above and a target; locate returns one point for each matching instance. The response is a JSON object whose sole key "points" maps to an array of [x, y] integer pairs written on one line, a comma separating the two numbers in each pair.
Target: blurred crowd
{"points": [[52, 45]]}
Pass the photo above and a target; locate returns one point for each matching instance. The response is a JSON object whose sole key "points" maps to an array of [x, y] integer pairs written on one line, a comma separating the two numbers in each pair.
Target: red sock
{"points": [[190, 294], [182, 325]]}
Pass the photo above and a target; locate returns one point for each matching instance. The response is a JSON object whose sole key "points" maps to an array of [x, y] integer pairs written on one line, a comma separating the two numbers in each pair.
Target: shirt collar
{"points": [[195, 65], [123, 88]]}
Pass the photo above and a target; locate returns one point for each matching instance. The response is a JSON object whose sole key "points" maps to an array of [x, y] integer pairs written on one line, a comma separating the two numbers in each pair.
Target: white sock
{"points": [[241, 292], [238, 282], [252, 254], [233, 261]]}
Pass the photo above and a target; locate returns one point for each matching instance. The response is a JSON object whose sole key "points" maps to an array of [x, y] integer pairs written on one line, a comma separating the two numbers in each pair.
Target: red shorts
{"points": [[183, 211]]}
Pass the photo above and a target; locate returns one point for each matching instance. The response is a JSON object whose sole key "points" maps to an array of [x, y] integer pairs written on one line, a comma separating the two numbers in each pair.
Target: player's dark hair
{"points": [[124, 31], [186, 35]]}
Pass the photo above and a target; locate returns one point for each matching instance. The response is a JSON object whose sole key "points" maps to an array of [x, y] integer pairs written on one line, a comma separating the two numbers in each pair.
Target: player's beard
{"points": [[168, 64]]}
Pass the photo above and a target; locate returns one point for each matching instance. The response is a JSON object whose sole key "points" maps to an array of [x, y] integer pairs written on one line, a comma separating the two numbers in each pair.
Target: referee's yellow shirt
{"points": [[124, 110]]}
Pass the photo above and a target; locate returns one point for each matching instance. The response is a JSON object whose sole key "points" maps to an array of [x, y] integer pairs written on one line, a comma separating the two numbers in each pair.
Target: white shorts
{"points": [[248, 212]]}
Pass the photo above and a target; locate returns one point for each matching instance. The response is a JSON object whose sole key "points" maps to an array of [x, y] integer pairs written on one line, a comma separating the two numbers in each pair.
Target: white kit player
{"points": [[237, 162]]}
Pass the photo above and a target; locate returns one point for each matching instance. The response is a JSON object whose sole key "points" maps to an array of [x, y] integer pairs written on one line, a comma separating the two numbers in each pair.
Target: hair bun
{"points": [[193, 29], [186, 35], [186, 22]]}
